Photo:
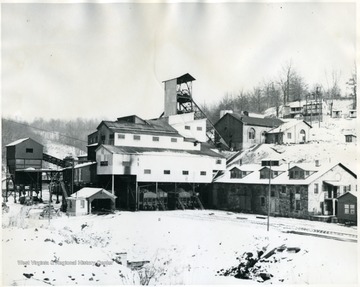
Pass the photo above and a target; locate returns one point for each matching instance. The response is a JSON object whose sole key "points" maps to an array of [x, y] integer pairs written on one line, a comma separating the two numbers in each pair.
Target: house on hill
{"points": [[349, 138], [241, 131], [291, 132], [299, 190]]}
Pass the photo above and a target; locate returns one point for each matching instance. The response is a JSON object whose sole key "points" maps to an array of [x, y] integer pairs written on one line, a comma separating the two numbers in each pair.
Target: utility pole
{"points": [[269, 197]]}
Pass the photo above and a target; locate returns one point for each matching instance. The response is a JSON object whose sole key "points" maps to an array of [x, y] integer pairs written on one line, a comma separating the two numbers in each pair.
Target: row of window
{"points": [[167, 171], [197, 128], [298, 174], [138, 137]]}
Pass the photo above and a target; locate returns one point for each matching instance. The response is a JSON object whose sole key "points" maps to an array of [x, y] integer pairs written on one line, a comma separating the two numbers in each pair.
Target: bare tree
{"points": [[352, 83], [285, 80]]}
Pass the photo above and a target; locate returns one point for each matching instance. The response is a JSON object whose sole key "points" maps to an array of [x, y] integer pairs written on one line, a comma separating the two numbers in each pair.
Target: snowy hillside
{"points": [[327, 145]]}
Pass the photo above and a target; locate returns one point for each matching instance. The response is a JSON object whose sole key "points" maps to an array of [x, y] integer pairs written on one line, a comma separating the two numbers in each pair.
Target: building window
{"points": [[103, 139], [283, 189], [29, 150], [349, 188], [352, 208], [297, 205], [185, 172], [82, 203], [316, 188], [235, 173], [307, 173], [346, 208], [202, 172], [104, 163], [147, 171], [137, 137], [251, 133], [166, 171], [275, 174], [262, 201], [121, 136], [291, 174], [289, 135], [155, 139], [187, 127], [199, 128], [218, 161], [70, 204], [173, 140]]}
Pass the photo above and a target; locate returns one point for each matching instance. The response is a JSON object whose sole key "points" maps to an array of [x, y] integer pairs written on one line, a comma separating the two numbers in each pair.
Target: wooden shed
{"points": [[90, 200], [347, 207]]}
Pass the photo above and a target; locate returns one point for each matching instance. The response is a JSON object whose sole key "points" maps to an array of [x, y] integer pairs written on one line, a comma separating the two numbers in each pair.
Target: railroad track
{"points": [[286, 228]]}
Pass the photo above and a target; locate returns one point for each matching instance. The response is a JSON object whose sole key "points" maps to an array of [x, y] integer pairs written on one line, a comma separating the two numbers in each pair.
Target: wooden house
{"points": [[241, 131], [347, 207]]}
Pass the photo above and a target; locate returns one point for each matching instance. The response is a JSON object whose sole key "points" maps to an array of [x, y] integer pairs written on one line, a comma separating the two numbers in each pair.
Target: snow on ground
{"points": [[182, 247]]}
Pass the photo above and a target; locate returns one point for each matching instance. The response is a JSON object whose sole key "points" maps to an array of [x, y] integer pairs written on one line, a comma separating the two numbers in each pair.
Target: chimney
{"points": [[317, 163], [246, 113]]}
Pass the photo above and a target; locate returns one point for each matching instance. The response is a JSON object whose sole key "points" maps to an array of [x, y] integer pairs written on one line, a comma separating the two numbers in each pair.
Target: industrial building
{"points": [[162, 163]]}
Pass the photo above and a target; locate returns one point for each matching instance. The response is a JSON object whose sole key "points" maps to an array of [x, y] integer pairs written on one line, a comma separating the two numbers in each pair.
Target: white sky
{"points": [[109, 60]]}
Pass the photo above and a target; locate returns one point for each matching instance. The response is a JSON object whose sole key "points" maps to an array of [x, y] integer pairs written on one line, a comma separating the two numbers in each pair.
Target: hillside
{"points": [[327, 144]]}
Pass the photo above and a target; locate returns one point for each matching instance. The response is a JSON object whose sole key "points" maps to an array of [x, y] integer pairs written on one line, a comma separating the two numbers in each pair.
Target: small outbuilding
{"points": [[347, 207], [349, 138], [90, 200]]}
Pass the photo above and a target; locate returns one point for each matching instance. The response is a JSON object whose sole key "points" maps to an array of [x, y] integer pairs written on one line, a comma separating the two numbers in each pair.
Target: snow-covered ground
{"points": [[182, 247]]}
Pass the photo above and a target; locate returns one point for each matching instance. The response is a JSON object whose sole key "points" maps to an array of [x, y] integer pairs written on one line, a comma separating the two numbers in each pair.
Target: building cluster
{"points": [[174, 162]]}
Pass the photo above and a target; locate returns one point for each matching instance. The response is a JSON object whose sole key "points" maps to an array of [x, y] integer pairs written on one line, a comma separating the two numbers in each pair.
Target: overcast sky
{"points": [[109, 60]]}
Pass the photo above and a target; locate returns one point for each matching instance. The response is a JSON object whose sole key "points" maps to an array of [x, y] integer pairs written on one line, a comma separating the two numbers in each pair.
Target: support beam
{"points": [[112, 184]]}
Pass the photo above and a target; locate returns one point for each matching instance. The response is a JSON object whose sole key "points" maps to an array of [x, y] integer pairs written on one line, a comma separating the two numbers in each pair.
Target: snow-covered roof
{"points": [[17, 142], [205, 151], [305, 166], [283, 178], [285, 126], [88, 192]]}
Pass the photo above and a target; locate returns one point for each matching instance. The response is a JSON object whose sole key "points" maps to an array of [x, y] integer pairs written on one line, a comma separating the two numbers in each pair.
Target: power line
{"points": [[44, 130]]}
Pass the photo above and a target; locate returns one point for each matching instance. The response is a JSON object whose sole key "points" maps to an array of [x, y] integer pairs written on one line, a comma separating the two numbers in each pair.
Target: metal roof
{"points": [[183, 79], [262, 122], [17, 142], [144, 150], [88, 192], [285, 126], [154, 127]]}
